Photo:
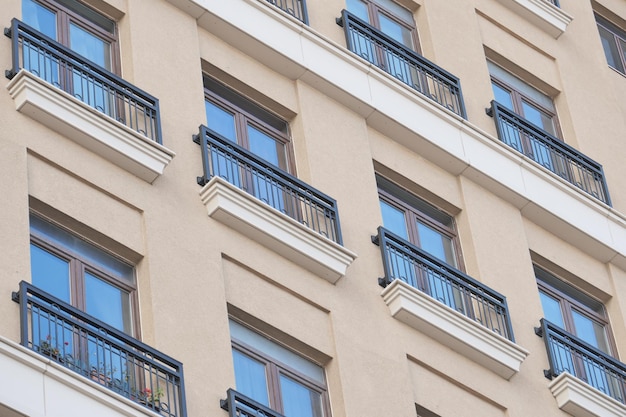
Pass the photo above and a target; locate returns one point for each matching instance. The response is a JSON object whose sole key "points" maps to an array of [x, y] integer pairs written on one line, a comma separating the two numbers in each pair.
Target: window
{"points": [[247, 124], [573, 311], [523, 99], [418, 222], [82, 275], [614, 44], [277, 377], [389, 17], [84, 31]]}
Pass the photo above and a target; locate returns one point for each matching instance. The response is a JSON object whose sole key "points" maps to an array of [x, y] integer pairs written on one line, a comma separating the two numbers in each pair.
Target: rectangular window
{"points": [[275, 376], [613, 43]]}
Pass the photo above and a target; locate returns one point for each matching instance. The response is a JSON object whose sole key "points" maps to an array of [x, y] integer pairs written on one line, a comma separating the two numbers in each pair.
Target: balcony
{"points": [[238, 405], [296, 8], [406, 65], [603, 391], [448, 305], [271, 206], [86, 103], [99, 352], [550, 152]]}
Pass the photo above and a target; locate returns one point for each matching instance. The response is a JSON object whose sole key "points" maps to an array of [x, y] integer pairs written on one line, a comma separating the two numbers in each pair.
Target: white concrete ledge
{"points": [[456, 145], [541, 13], [582, 400], [34, 386], [88, 127], [275, 230], [453, 329]]}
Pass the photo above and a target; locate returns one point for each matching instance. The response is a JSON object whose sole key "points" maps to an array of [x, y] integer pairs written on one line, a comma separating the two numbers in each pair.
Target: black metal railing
{"points": [[550, 152], [567, 353], [403, 63], [405, 261], [238, 405], [270, 184], [83, 79], [100, 352], [296, 8]]}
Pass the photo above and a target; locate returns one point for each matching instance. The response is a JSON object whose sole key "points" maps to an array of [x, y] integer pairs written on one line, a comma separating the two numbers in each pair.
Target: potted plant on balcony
{"points": [[50, 348], [152, 399]]}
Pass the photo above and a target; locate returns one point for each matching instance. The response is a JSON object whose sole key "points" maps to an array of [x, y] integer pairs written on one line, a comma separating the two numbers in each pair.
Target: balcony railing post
{"points": [[15, 58]]}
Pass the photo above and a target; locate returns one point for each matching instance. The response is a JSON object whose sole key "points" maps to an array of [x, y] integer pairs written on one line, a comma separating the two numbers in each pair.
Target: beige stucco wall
{"points": [[193, 271]]}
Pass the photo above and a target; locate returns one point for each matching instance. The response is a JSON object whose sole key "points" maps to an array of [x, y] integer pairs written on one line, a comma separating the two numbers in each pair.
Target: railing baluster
{"points": [[568, 353], [550, 152], [99, 352], [268, 183], [402, 260], [403, 63]]}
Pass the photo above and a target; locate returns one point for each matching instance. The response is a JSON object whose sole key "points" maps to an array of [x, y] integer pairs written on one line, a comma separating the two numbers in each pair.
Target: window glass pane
{"points": [[90, 14], [298, 400], [96, 256], [274, 350], [359, 9], [502, 96], [50, 273], [40, 18], [590, 331], [107, 303], [395, 31], [552, 309], [610, 46], [220, 121], [90, 46], [537, 117], [394, 220], [438, 245], [250, 378], [265, 146]]}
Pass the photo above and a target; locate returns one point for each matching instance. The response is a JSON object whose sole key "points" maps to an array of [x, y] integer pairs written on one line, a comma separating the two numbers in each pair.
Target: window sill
{"points": [[420, 311], [542, 14], [42, 387], [581, 400], [274, 230], [93, 130]]}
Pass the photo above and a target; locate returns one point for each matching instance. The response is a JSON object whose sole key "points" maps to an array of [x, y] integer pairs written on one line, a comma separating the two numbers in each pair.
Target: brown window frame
{"points": [[274, 369], [413, 213], [65, 16], [252, 116], [569, 300], [618, 35], [78, 265], [518, 98]]}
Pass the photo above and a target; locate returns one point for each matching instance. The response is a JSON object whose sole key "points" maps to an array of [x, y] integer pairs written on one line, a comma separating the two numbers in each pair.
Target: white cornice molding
{"points": [[541, 13], [300, 53], [453, 329], [582, 400], [88, 127], [275, 230]]}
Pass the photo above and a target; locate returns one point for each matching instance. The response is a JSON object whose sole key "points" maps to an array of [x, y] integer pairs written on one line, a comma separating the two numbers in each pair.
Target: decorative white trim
{"points": [[541, 13], [275, 230], [456, 145], [39, 387], [453, 329], [582, 400], [88, 127]]}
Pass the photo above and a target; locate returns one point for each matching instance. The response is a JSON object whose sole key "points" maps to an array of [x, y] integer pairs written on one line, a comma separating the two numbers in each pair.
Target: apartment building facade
{"points": [[316, 208]]}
